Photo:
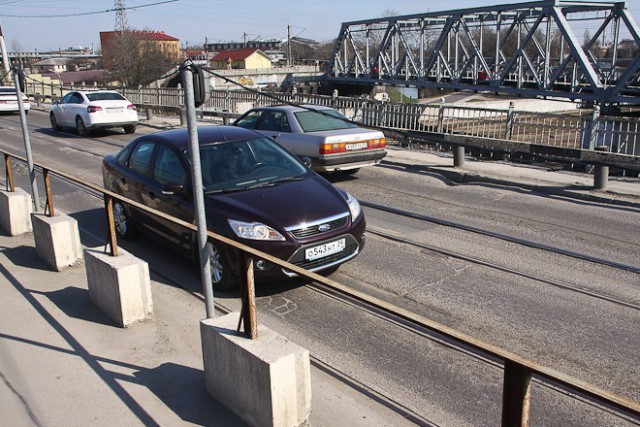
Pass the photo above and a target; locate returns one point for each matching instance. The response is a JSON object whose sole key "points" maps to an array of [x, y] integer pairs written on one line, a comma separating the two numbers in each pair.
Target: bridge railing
{"points": [[581, 132]]}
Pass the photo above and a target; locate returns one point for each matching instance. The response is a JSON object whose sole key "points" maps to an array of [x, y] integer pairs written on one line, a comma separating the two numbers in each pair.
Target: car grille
{"points": [[325, 225]]}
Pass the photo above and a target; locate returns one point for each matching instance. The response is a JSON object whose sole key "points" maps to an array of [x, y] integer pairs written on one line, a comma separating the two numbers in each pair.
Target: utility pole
{"points": [[244, 35], [288, 45], [5, 54]]}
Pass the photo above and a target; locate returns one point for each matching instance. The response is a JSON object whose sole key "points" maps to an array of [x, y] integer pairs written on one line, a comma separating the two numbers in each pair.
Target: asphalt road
{"points": [[577, 333]]}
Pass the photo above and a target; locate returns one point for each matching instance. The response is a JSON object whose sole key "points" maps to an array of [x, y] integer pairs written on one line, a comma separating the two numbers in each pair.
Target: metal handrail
{"points": [[518, 371]]}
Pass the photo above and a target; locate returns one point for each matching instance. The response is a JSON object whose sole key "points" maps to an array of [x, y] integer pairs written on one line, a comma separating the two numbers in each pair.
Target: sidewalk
{"points": [[535, 178], [64, 363]]}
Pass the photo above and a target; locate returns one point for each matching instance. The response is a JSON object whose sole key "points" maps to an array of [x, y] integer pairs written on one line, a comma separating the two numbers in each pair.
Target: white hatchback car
{"points": [[86, 111], [9, 100]]}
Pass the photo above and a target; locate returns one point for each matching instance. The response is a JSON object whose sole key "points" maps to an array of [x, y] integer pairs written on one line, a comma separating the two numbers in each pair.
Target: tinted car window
{"points": [[105, 96], [259, 162], [312, 121], [67, 97], [274, 121], [76, 99], [168, 168], [123, 156], [141, 157], [249, 121]]}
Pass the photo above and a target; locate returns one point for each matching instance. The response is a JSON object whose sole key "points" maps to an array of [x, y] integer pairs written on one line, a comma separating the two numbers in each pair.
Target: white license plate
{"points": [[325, 250], [114, 110], [358, 146]]}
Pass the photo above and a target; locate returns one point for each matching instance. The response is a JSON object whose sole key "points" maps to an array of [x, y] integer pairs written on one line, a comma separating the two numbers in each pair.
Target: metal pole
{"points": [[516, 395], [198, 193], [458, 156], [601, 172], [27, 143]]}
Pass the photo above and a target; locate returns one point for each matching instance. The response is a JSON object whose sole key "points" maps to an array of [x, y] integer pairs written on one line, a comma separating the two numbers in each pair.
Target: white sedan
{"points": [[9, 100], [328, 138], [86, 111]]}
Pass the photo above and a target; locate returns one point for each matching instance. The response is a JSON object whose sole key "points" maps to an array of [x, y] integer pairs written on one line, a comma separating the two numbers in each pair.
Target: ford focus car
{"points": [[321, 133], [86, 111], [9, 100], [255, 192]]}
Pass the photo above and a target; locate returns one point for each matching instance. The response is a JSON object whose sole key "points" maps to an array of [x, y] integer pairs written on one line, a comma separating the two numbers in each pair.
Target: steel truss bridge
{"points": [[578, 50]]}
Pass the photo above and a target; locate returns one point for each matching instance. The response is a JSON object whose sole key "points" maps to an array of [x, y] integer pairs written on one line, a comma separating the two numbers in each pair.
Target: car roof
{"points": [[179, 138], [96, 91], [294, 108]]}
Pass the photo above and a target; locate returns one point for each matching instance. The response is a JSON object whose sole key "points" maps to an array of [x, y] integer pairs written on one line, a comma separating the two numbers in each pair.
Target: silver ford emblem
{"points": [[324, 227]]}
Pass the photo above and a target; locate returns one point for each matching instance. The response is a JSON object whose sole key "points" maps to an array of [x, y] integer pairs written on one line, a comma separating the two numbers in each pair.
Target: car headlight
{"points": [[354, 206], [254, 231]]}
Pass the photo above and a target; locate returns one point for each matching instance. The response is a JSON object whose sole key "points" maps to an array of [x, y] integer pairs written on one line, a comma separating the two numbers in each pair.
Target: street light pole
{"points": [[27, 142], [198, 193]]}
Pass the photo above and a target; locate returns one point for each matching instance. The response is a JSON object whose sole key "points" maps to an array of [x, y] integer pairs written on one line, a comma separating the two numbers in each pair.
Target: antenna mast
{"points": [[121, 15]]}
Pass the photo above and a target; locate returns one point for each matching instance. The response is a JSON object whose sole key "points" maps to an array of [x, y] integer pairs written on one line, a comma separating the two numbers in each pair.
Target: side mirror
{"points": [[306, 161], [173, 188]]}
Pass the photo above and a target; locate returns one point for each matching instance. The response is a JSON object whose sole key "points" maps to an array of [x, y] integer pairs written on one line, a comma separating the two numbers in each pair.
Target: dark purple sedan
{"points": [[256, 192]]}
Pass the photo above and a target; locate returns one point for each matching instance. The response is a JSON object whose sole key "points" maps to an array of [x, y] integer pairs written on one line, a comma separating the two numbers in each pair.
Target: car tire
{"points": [[54, 122], [222, 278], [125, 228], [129, 129], [81, 128]]}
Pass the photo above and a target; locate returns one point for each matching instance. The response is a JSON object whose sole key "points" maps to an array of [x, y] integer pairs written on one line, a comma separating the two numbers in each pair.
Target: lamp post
{"points": [[59, 81]]}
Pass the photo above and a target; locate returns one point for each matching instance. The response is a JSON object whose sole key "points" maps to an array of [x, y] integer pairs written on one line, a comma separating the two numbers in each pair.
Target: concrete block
{"points": [[15, 212], [57, 239], [119, 286], [266, 382]]}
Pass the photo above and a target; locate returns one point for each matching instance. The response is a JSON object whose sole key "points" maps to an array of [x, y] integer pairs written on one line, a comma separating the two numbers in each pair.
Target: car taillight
{"points": [[93, 108], [131, 107], [343, 147]]}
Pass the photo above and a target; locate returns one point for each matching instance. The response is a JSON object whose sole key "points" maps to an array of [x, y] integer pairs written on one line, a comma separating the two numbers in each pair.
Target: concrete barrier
{"points": [[119, 286], [57, 239], [15, 212], [266, 382]]}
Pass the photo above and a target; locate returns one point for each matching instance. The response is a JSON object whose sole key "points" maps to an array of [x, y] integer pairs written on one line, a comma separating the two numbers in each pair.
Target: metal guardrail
{"points": [[588, 132], [518, 371]]}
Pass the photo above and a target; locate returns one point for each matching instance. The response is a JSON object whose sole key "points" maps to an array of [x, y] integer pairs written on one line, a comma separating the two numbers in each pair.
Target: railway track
{"points": [[503, 268]]}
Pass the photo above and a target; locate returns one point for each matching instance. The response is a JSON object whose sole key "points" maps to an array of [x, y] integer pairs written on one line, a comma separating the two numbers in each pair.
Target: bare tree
{"points": [[136, 60]]}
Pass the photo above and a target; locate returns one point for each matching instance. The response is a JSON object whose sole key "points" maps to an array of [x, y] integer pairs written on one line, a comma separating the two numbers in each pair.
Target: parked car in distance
{"points": [[255, 191], [9, 100], [89, 110], [321, 133]]}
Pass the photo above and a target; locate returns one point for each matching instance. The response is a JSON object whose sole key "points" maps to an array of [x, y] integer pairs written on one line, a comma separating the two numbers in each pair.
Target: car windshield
{"points": [[314, 121], [105, 96], [242, 165]]}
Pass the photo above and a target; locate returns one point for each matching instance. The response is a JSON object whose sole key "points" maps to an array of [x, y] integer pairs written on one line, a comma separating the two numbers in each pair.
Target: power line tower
{"points": [[121, 15]]}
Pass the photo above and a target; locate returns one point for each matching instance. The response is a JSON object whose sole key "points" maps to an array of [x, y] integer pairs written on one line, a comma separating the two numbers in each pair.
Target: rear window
{"points": [[7, 90], [313, 121], [105, 96]]}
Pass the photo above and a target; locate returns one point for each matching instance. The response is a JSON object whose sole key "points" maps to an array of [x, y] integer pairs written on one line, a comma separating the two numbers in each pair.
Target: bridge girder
{"points": [[529, 49]]}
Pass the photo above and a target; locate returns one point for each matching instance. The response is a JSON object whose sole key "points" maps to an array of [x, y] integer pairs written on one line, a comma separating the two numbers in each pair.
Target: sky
{"points": [[46, 25]]}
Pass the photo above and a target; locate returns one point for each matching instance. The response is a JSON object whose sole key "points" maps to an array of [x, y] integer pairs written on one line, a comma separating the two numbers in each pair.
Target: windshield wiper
{"points": [[278, 181], [226, 190]]}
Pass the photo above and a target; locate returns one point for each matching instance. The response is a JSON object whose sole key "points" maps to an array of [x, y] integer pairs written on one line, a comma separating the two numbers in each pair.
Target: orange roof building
{"points": [[241, 59]]}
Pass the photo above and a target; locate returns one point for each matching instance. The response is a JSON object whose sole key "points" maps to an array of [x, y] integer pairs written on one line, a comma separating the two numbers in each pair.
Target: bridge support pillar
{"points": [[601, 172], [458, 156]]}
